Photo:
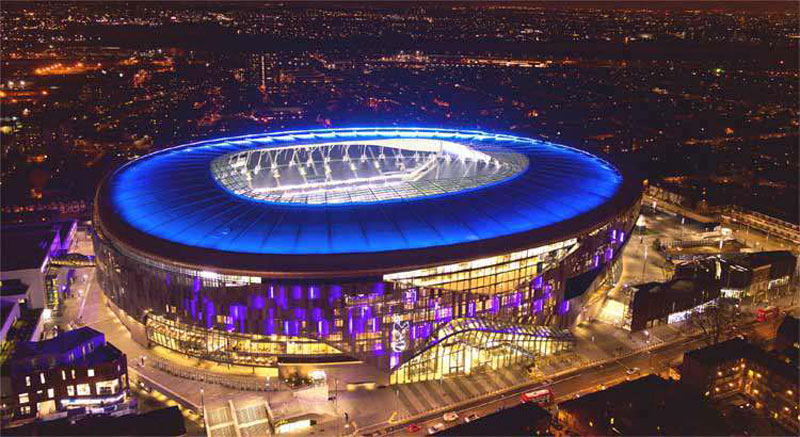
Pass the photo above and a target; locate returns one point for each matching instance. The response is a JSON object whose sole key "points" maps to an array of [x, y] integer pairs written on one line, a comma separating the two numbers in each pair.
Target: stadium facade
{"points": [[422, 252]]}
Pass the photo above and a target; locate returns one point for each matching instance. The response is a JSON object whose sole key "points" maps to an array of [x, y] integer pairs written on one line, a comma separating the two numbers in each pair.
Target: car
{"points": [[471, 418], [413, 428], [450, 416], [632, 371], [439, 427]]}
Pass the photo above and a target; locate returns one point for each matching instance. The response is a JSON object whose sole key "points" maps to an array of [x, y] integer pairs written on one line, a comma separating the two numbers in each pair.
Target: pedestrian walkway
{"points": [[251, 383], [419, 397], [230, 420]]}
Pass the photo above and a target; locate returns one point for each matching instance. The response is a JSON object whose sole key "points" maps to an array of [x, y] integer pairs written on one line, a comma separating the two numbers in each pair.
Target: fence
{"points": [[228, 381]]}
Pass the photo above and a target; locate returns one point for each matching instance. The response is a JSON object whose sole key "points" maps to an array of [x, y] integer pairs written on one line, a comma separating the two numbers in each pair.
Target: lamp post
{"points": [[644, 262]]}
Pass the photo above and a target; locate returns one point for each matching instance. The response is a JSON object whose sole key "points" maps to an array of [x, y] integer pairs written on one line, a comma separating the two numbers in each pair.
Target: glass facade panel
{"points": [[390, 321]]}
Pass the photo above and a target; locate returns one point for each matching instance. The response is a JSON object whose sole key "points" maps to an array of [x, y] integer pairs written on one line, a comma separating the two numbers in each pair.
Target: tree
{"points": [[717, 320]]}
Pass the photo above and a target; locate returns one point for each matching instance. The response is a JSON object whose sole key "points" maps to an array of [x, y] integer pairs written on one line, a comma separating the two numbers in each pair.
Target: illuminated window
{"points": [[24, 398], [90, 373], [41, 378], [27, 381], [105, 388], [63, 375], [71, 390], [73, 373], [25, 410], [51, 393], [84, 390]]}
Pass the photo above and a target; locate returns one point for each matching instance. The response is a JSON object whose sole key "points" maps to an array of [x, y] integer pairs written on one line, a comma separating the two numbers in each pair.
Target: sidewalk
{"points": [[98, 316]]}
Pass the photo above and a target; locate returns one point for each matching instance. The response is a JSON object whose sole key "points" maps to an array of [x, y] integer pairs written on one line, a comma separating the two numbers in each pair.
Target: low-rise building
{"points": [[524, 419], [755, 276], [163, 422], [9, 313], [77, 369], [787, 340], [738, 367], [656, 303], [27, 251], [645, 406]]}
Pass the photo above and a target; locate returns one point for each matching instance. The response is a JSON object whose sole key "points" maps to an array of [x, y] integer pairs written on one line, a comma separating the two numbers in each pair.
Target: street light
{"points": [[203, 402]]}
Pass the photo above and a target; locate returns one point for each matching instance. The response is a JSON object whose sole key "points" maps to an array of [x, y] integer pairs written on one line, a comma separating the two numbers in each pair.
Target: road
{"points": [[567, 386], [753, 238]]}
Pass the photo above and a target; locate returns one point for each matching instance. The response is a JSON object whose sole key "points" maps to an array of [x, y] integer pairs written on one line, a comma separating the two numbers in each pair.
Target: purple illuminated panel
{"points": [[282, 299], [269, 324], [210, 312], [297, 292], [471, 309], [259, 302], [444, 314], [335, 293]]}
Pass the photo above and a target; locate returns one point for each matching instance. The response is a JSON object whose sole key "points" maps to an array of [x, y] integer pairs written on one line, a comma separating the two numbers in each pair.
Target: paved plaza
{"points": [[236, 398]]}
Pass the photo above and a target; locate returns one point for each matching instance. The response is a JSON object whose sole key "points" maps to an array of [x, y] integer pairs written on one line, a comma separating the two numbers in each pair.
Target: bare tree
{"points": [[716, 321]]}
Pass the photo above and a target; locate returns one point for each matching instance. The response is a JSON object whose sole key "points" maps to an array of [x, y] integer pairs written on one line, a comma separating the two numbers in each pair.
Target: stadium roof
{"points": [[397, 191]]}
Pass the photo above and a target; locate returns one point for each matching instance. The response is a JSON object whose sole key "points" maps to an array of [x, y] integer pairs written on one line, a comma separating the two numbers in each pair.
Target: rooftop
{"points": [[32, 354], [523, 419], [677, 285], [163, 422], [31, 244], [758, 259], [646, 406], [217, 203], [739, 348], [12, 287]]}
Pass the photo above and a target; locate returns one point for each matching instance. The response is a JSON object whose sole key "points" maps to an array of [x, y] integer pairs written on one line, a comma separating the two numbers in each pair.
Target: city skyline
{"points": [[397, 218]]}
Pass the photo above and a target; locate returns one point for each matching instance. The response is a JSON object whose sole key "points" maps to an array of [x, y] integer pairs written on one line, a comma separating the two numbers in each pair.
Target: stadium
{"points": [[419, 252]]}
